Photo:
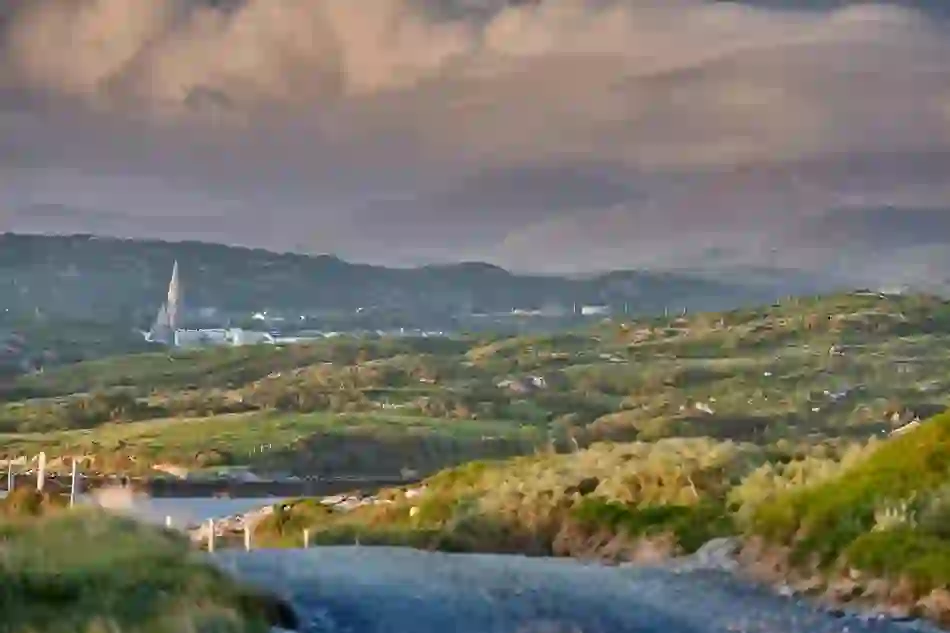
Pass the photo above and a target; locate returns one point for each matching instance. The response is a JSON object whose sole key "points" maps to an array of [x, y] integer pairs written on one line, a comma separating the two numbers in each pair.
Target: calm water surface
{"points": [[200, 509], [193, 510]]}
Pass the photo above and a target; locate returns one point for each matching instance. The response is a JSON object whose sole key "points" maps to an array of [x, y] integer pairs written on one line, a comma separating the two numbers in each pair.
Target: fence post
{"points": [[306, 538], [211, 536], [41, 473], [10, 477], [247, 538], [74, 484], [168, 521]]}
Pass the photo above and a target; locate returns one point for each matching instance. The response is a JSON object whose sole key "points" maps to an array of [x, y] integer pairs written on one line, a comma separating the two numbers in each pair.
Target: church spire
{"points": [[167, 320], [173, 304]]}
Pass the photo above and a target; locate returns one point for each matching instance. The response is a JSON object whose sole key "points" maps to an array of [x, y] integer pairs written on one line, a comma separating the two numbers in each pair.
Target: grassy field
{"points": [[847, 366], [272, 439], [69, 571]]}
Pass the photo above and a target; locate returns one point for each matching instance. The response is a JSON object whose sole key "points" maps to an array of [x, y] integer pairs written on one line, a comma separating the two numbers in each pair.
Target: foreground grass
{"points": [[68, 571]]}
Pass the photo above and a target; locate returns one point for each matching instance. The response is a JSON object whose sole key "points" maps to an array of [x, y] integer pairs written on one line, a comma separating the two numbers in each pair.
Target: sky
{"points": [[547, 135]]}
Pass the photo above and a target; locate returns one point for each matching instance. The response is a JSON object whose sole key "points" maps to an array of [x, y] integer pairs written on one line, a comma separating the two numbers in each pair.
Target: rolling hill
{"points": [[117, 281]]}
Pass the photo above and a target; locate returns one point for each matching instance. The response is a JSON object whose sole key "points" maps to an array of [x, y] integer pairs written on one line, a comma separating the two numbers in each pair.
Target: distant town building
{"points": [[210, 337], [594, 310], [201, 338], [249, 337]]}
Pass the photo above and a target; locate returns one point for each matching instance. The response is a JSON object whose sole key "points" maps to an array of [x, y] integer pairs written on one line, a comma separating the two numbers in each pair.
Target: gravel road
{"points": [[392, 590]]}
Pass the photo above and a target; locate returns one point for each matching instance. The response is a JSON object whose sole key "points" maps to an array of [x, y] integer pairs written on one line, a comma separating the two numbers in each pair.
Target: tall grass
{"points": [[65, 571]]}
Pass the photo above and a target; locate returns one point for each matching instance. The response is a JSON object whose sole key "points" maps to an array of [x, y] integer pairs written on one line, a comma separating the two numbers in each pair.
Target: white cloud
{"points": [[315, 100]]}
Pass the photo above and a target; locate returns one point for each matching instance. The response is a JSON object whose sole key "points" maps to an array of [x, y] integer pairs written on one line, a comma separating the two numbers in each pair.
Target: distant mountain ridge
{"points": [[119, 280]]}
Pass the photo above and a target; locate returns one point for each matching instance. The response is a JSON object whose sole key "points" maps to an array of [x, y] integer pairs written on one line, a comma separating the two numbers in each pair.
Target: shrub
{"points": [[691, 525], [28, 502], [292, 520], [903, 553], [886, 513], [917, 462]]}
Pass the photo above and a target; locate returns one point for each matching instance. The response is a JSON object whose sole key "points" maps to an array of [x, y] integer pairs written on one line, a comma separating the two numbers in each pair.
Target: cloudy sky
{"points": [[544, 135]]}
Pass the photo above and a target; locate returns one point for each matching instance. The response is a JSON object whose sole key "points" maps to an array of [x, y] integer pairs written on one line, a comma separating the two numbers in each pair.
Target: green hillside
{"points": [[889, 515], [805, 370], [122, 282]]}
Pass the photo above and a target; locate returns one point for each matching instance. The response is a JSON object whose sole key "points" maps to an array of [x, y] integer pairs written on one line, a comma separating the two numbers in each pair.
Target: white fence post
{"points": [[168, 521], [211, 535], [247, 538], [74, 484], [306, 538], [10, 477], [41, 473]]}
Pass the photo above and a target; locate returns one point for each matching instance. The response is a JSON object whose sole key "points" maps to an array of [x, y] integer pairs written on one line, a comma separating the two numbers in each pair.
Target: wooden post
{"points": [[306, 538], [74, 484], [211, 536], [247, 538], [41, 473]]}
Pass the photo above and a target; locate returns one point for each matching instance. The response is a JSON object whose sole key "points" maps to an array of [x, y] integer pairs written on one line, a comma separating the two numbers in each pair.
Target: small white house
{"points": [[594, 310], [200, 338], [238, 336]]}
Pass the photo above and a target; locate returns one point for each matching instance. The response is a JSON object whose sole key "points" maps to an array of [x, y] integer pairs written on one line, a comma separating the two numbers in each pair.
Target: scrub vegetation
{"points": [[80, 571]]}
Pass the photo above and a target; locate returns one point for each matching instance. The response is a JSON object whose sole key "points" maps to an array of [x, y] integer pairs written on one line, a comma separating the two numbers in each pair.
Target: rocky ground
{"points": [[392, 590]]}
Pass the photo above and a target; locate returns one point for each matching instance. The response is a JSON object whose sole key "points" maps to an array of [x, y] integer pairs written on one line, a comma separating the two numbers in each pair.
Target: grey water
{"points": [[183, 510], [192, 510]]}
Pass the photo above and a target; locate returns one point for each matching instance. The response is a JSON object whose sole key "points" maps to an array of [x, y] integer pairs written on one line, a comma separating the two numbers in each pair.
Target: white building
{"points": [[594, 310], [210, 337], [238, 336], [201, 338]]}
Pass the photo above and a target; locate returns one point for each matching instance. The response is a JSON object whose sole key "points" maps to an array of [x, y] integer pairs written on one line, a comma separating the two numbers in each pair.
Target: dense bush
{"points": [[691, 525], [530, 504], [836, 512], [886, 514], [27, 502]]}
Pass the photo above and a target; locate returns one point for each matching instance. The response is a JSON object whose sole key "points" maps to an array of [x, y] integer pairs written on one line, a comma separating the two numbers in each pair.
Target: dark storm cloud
{"points": [[621, 131]]}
